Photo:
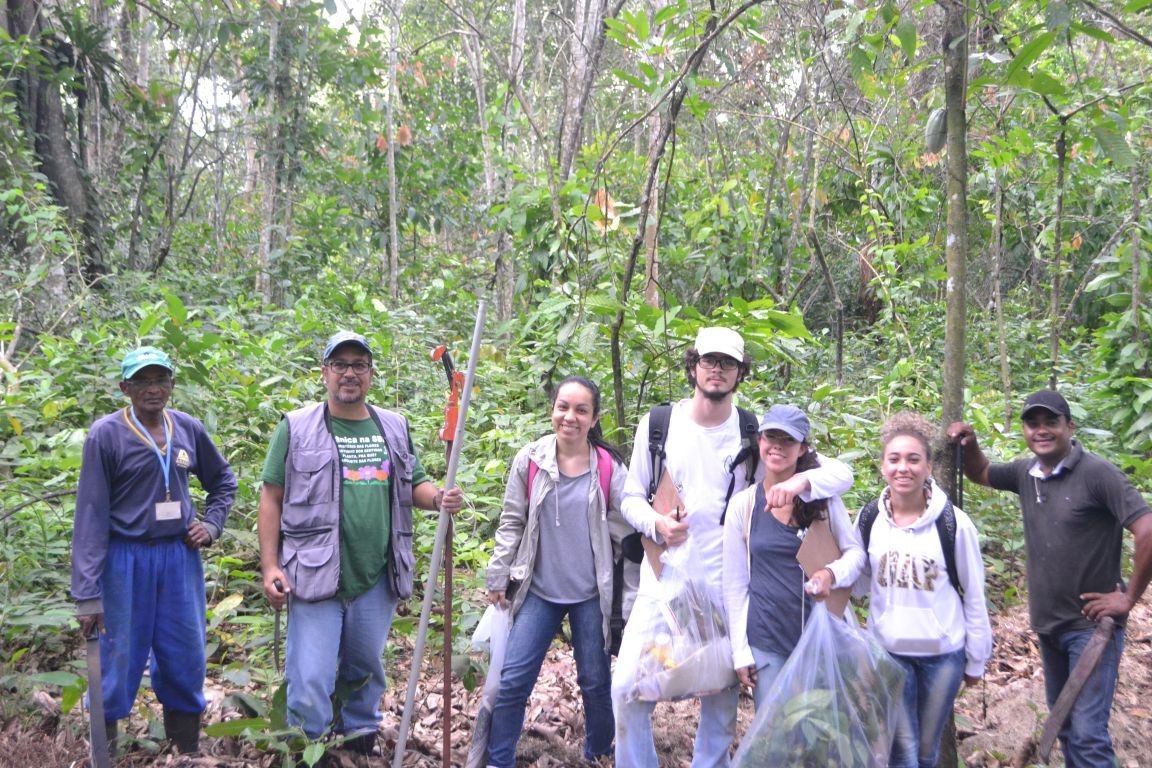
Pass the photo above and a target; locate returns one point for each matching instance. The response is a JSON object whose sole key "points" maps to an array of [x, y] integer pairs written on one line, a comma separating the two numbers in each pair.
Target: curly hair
{"points": [[804, 513], [911, 425]]}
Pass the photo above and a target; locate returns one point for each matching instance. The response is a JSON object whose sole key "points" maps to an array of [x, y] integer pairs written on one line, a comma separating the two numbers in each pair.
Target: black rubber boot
{"points": [[361, 745], [183, 730], [112, 733]]}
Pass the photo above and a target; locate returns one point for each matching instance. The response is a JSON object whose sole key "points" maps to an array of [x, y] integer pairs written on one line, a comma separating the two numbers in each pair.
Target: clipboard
{"points": [[666, 502], [818, 549]]}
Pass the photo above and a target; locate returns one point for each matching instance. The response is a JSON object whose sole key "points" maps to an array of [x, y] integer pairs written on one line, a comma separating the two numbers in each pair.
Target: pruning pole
{"points": [[437, 548]]}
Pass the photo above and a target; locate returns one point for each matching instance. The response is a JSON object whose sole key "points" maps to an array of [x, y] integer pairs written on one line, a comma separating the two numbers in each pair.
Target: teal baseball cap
{"points": [[141, 358]]}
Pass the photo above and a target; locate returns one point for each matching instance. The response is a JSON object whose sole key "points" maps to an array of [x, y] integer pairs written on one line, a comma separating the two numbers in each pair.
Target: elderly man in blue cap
{"points": [[335, 521], [137, 576]]}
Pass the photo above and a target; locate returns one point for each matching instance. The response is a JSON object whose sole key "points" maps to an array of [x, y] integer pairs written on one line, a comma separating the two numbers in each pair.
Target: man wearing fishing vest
{"points": [[335, 527], [702, 455], [137, 576]]}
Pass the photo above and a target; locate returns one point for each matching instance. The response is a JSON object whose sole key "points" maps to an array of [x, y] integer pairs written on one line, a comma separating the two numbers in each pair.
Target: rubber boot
{"points": [[183, 730], [361, 745], [112, 733]]}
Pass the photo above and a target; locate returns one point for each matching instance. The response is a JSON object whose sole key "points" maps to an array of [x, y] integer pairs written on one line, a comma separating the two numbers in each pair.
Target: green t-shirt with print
{"points": [[366, 513]]}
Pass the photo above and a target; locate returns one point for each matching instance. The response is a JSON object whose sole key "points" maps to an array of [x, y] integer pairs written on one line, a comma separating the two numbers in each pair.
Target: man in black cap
{"points": [[1076, 506], [335, 525]]}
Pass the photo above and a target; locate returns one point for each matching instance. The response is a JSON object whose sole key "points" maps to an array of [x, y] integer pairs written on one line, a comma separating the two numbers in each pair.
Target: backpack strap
{"points": [[748, 455], [865, 520], [946, 528], [658, 419]]}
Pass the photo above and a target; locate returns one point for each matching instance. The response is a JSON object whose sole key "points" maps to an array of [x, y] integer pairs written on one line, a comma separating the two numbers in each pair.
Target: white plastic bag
{"points": [[491, 635], [835, 702], [684, 645]]}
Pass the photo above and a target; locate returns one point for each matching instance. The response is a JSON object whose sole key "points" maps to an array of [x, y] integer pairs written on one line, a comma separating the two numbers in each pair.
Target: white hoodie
{"points": [[913, 609]]}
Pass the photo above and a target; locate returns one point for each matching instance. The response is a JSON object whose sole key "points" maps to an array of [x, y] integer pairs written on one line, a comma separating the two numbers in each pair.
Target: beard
{"points": [[716, 396]]}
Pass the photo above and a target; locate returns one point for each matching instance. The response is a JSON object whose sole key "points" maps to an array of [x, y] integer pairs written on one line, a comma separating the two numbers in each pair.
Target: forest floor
{"points": [[995, 723]]}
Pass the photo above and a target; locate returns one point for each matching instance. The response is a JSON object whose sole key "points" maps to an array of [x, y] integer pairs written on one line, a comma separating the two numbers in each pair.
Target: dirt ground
{"points": [[995, 722]]}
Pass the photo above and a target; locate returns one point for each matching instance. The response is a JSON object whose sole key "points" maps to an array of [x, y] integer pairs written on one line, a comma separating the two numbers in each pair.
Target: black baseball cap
{"points": [[1049, 400]]}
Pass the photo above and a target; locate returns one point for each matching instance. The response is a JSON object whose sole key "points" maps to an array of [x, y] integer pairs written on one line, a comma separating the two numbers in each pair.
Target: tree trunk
{"points": [[393, 266], [42, 109], [584, 48], [955, 52], [269, 175]]}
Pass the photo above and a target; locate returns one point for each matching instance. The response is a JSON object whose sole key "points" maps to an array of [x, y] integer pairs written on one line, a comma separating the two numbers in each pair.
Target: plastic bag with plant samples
{"points": [[835, 702], [685, 649]]}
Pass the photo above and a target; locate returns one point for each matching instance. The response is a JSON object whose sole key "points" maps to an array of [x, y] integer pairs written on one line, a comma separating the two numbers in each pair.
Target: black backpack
{"points": [[749, 453], [945, 528]]}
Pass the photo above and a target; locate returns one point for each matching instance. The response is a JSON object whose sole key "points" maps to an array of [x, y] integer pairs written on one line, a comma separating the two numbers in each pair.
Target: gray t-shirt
{"points": [[777, 606], [565, 571]]}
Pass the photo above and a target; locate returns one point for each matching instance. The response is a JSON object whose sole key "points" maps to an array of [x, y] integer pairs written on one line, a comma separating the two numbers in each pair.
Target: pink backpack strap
{"points": [[603, 469]]}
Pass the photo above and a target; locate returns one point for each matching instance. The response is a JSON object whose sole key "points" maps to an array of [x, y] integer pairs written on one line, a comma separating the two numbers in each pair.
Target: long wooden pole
{"points": [[438, 547]]}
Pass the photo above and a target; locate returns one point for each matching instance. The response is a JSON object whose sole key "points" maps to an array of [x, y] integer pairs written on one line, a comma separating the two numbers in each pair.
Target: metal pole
{"points": [[438, 546]]}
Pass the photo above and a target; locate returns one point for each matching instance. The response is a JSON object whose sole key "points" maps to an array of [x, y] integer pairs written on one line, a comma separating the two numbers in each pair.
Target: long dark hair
{"points": [[595, 434], [804, 513]]}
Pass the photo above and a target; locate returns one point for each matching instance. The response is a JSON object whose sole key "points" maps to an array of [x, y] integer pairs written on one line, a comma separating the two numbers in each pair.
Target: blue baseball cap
{"points": [[787, 419], [141, 358], [341, 338]]}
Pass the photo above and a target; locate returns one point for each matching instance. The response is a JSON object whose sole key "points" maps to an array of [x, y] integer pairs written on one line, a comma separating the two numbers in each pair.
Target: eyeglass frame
{"points": [[724, 363], [164, 382], [342, 367]]}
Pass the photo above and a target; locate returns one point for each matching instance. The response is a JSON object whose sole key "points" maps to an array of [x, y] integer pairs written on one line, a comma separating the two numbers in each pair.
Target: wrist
{"points": [[438, 500]]}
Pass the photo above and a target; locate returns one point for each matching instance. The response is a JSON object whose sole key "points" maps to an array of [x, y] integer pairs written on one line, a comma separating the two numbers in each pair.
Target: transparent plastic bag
{"points": [[491, 634], [684, 645], [835, 702]]}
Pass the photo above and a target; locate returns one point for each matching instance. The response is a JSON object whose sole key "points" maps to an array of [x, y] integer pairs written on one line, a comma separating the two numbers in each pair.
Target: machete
{"points": [[98, 736], [1084, 668], [276, 629]]}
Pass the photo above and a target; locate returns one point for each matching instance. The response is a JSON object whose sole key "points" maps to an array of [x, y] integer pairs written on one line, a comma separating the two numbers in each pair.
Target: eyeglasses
{"points": [[723, 363], [342, 366], [778, 438], [164, 382]]}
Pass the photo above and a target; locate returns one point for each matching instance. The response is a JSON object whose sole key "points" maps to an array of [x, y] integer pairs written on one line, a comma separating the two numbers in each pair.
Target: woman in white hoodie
{"points": [[938, 633]]}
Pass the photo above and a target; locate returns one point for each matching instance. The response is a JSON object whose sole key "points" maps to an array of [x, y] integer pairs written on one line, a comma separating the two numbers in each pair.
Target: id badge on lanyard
{"points": [[167, 509]]}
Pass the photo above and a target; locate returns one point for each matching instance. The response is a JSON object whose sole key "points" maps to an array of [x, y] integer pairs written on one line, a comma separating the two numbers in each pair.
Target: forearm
{"points": [[1142, 560], [427, 495], [268, 525]]}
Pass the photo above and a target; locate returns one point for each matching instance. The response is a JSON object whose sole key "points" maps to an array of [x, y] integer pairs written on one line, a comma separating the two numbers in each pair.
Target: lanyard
{"points": [[165, 456]]}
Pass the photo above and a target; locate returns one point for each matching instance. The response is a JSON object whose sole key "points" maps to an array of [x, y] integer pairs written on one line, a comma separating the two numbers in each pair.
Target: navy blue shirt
{"points": [[777, 605]]}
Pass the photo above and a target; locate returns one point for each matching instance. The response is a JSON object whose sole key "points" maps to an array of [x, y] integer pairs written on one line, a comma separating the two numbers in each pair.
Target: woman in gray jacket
{"points": [[555, 549]]}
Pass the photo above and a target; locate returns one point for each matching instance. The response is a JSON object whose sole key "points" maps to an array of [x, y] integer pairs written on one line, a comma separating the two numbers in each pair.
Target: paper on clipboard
{"points": [[666, 502], [818, 549]]}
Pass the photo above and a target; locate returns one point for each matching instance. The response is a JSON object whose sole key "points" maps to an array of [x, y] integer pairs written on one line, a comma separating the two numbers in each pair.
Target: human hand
{"points": [[820, 585], [672, 531], [198, 535], [451, 500], [1097, 605], [784, 493], [747, 676], [91, 624], [496, 597], [276, 587], [960, 432]]}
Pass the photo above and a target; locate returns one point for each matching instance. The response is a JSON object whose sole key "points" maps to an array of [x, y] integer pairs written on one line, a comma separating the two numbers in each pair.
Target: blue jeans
{"points": [[1084, 738], [768, 666], [533, 630], [930, 687], [344, 639], [634, 745], [154, 608]]}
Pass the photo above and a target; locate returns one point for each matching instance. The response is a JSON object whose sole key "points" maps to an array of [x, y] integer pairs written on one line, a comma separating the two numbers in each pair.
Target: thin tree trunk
{"points": [[584, 48], [955, 51], [1057, 259], [268, 168], [393, 266]]}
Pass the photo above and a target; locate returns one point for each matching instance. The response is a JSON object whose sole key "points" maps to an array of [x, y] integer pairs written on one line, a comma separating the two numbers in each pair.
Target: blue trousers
{"points": [[337, 638], [930, 687], [154, 608], [1084, 738], [531, 635]]}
